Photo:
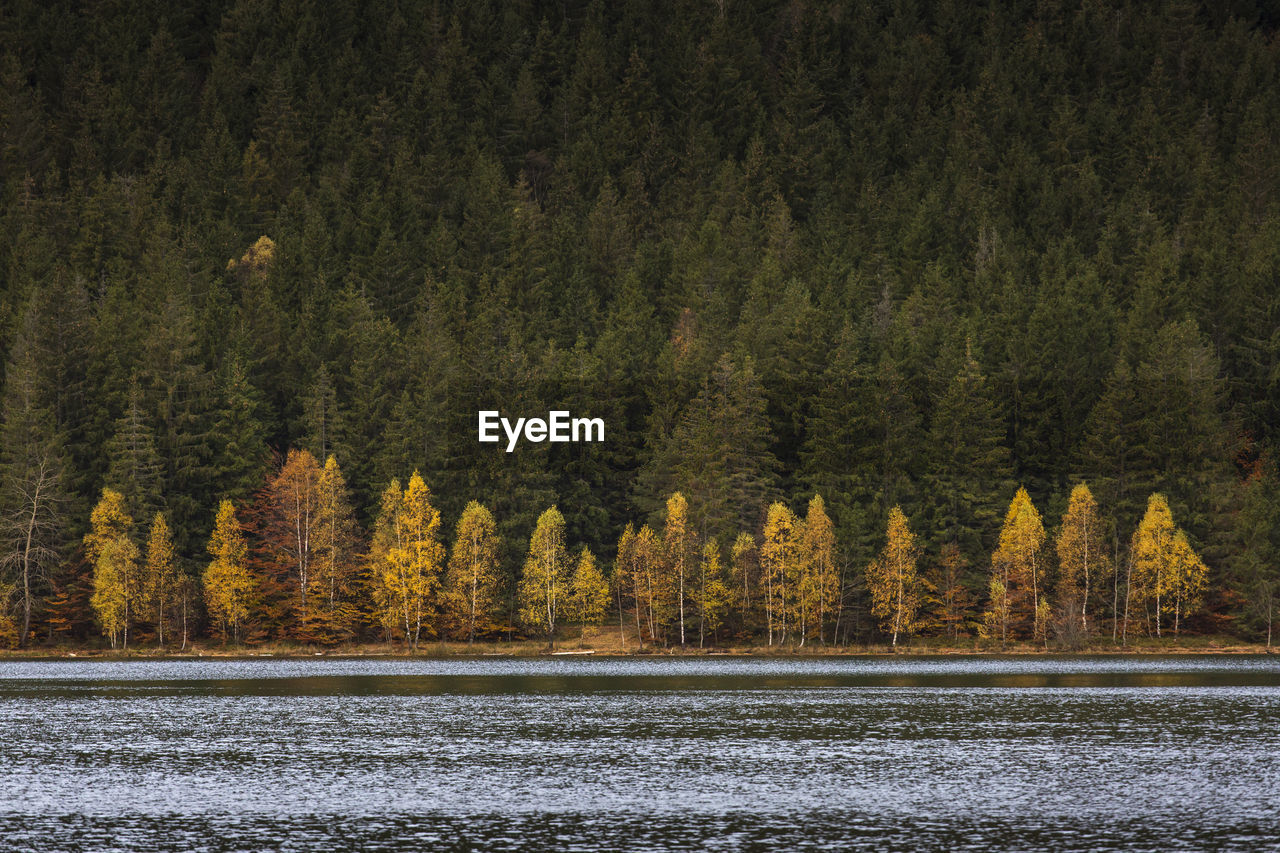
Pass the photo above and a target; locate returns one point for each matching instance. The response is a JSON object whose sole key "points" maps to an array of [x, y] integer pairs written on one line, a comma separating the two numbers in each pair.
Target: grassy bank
{"points": [[608, 642]]}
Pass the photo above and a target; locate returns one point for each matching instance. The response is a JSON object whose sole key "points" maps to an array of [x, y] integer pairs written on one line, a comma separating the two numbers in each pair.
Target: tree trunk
{"points": [[681, 570], [1128, 590]]}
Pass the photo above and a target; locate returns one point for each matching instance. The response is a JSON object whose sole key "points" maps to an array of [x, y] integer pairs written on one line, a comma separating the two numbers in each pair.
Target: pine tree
{"points": [[228, 585], [135, 469], [893, 580], [718, 453], [241, 459], [970, 462]]}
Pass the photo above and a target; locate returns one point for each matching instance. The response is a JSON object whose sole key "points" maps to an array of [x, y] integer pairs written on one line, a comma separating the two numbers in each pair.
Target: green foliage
{"points": [[754, 238]]}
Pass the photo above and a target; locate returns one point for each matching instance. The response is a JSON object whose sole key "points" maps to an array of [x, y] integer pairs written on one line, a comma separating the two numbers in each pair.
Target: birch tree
{"points": [[228, 585], [160, 576], [545, 580], [1083, 564], [115, 566], [893, 580], [473, 568]]}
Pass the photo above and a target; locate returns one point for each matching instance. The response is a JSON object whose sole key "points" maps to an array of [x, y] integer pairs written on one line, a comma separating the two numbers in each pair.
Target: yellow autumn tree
{"points": [[1190, 576], [713, 595], [293, 512], [544, 583], [588, 596], [678, 544], [407, 559], [1151, 556], [640, 561], [1082, 559], [472, 582], [744, 559], [893, 579], [820, 583], [623, 582], [115, 566], [780, 559], [1017, 564], [228, 585], [160, 576], [1165, 569], [333, 565]]}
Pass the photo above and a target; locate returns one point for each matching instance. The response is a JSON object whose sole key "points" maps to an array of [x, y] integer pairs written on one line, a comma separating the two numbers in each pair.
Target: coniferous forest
{"points": [[904, 319]]}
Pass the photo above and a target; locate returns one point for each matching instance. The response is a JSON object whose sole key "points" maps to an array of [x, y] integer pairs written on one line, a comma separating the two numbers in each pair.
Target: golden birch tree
{"points": [[544, 582], [294, 510], [1151, 551], [623, 580], [407, 559], [714, 595], [1082, 559], [160, 577], [821, 581], [651, 583], [745, 561], [678, 543], [1017, 563], [472, 582], [1190, 576], [333, 562], [228, 585], [780, 558], [1166, 569], [588, 596], [115, 565], [893, 579]]}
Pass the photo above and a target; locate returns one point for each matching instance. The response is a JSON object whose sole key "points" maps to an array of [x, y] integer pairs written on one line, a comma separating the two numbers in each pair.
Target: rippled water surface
{"points": [[585, 754]]}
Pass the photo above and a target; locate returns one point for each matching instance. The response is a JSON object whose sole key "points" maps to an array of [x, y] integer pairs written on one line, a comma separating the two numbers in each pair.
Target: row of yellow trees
{"points": [[672, 584], [293, 565], [297, 562], [1162, 578]]}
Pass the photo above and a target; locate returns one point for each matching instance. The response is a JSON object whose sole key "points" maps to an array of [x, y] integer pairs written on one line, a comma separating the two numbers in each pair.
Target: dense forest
{"points": [[908, 257]]}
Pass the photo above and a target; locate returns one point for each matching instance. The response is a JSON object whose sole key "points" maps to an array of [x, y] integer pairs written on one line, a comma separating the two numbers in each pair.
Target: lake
{"points": [[956, 753]]}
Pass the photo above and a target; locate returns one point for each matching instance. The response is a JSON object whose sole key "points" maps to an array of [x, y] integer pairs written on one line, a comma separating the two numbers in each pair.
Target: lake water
{"points": [[641, 754]]}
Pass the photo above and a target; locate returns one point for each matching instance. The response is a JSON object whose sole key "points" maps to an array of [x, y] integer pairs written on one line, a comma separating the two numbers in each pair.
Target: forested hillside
{"points": [[894, 254]]}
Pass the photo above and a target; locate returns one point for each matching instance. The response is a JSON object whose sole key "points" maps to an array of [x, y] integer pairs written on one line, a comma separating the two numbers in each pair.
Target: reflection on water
{"points": [[956, 753]]}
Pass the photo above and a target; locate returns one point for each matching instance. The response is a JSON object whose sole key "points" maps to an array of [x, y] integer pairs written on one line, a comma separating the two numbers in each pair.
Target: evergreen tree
{"points": [[970, 464]]}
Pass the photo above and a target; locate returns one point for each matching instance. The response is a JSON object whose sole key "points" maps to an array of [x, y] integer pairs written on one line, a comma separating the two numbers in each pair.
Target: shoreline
{"points": [[538, 649]]}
